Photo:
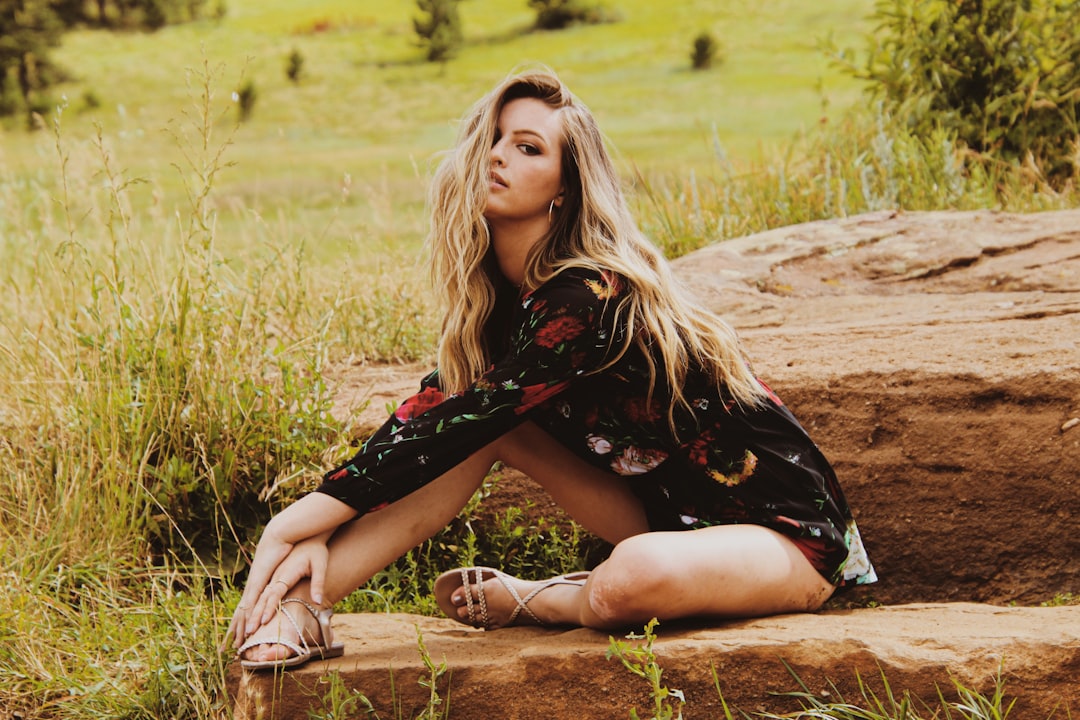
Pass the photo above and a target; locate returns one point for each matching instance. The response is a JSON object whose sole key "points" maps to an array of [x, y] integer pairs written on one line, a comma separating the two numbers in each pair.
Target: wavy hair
{"points": [[592, 229]]}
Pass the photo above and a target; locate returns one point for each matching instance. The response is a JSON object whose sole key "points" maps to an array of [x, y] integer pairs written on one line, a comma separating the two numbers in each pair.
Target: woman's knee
{"points": [[631, 583]]}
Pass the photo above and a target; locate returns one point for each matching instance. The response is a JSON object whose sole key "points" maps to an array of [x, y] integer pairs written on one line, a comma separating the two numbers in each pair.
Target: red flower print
{"points": [[638, 411], [533, 395], [338, 474], [558, 331], [698, 450], [418, 404]]}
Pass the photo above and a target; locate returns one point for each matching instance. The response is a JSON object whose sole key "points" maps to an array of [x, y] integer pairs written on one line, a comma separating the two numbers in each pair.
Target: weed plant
{"points": [[339, 701], [640, 659]]}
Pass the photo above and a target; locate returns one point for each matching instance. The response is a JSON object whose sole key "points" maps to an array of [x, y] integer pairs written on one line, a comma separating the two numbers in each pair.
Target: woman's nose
{"points": [[497, 154]]}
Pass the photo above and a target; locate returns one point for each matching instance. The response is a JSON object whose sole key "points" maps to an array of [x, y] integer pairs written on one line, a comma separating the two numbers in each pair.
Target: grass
{"points": [[175, 285]]}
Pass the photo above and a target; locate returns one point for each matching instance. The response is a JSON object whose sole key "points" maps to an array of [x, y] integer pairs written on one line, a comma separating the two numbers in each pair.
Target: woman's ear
{"points": [[559, 198]]}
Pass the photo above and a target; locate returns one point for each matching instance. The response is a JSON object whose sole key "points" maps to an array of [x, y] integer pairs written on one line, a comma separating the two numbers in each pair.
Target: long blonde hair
{"points": [[592, 229]]}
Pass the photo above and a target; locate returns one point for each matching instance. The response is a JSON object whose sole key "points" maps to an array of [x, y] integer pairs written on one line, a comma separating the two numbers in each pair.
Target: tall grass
{"points": [[158, 403], [867, 162]]}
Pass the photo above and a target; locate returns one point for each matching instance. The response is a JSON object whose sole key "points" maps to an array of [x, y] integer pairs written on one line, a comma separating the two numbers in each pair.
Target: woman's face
{"points": [[526, 163]]}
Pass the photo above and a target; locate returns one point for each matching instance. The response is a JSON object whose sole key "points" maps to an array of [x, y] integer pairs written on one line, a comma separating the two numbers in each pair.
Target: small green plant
{"points": [[436, 708], [892, 705], [338, 701], [1062, 599], [640, 659], [705, 52], [294, 66]]}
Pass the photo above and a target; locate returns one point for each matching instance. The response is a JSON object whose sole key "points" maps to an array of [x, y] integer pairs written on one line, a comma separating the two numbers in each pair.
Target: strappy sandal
{"points": [[302, 651], [468, 578]]}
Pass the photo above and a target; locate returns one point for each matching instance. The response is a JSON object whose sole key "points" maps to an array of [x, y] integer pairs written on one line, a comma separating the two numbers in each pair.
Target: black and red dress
{"points": [[724, 463]]}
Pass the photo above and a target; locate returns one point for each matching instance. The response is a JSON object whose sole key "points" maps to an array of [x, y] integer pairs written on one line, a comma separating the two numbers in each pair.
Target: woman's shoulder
{"points": [[587, 284]]}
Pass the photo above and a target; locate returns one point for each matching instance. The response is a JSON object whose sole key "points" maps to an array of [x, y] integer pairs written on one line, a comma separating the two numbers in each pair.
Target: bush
{"points": [[559, 14], [1003, 76], [705, 52]]}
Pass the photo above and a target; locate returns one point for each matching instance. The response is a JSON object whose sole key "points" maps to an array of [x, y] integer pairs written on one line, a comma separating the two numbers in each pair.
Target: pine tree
{"points": [[439, 29]]}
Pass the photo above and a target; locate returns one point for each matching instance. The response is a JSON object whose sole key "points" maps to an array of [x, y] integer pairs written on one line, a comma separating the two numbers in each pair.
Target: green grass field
{"points": [[369, 109]]}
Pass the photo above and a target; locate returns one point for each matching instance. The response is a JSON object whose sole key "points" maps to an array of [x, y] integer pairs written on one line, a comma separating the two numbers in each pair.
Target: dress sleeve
{"points": [[562, 331]]}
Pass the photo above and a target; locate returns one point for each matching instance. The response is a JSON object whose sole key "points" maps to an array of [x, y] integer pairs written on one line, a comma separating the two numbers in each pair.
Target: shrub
{"points": [[438, 29], [245, 99], [559, 14], [705, 52], [1003, 76], [294, 66]]}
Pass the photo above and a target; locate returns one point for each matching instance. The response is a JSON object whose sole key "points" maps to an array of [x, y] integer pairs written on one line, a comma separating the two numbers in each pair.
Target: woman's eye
{"points": [[529, 149]]}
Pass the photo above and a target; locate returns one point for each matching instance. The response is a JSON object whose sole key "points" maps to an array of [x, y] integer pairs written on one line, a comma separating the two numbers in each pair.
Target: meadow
{"points": [[175, 284]]}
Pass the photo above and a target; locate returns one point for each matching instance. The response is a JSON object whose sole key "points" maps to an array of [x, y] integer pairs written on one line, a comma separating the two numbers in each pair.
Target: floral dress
{"points": [[724, 463]]}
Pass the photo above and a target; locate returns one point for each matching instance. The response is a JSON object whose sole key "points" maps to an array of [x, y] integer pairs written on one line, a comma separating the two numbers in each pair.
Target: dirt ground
{"points": [[935, 359]]}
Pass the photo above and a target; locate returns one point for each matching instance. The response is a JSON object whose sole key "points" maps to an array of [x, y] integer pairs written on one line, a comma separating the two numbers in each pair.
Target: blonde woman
{"points": [[570, 353]]}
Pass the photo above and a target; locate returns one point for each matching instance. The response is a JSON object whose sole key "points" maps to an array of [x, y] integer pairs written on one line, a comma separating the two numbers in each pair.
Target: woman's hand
{"points": [[307, 559], [292, 547]]}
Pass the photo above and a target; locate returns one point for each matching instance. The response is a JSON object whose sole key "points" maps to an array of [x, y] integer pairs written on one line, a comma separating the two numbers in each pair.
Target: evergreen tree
{"points": [[439, 28]]}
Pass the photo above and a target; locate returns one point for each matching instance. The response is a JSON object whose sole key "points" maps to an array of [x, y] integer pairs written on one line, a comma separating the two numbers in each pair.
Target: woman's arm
{"points": [[312, 518]]}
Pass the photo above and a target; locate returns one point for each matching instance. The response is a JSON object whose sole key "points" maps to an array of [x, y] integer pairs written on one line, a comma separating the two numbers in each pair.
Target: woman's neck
{"points": [[512, 242]]}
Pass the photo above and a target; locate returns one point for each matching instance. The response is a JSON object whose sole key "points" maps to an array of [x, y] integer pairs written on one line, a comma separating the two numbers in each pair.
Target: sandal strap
{"points": [[480, 597], [301, 649], [322, 617], [523, 603]]}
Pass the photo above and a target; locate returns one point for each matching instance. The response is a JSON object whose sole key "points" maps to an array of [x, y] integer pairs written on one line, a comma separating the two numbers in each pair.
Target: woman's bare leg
{"points": [[724, 571]]}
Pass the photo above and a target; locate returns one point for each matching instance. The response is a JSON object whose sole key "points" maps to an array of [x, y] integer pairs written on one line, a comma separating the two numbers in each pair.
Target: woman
{"points": [[568, 352]]}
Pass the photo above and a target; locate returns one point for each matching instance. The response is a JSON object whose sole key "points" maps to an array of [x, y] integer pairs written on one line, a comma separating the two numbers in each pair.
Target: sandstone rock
{"points": [[526, 673]]}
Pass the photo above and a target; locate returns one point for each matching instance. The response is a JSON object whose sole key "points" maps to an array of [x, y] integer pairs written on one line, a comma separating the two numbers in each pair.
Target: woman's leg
{"points": [[723, 571]]}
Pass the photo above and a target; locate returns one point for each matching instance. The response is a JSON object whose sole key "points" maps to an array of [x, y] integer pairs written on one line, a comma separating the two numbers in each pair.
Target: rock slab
{"points": [[526, 673]]}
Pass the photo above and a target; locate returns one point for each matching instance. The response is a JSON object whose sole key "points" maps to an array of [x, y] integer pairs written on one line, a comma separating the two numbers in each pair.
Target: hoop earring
{"points": [[551, 210]]}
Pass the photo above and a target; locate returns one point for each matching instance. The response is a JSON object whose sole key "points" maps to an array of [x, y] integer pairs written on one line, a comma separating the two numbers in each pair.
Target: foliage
{"points": [[28, 29], [559, 14], [1001, 76], [128, 14], [641, 661], [706, 51], [438, 29]]}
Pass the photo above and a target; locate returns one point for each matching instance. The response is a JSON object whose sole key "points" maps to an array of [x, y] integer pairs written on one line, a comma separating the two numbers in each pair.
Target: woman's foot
{"points": [[488, 598], [297, 633]]}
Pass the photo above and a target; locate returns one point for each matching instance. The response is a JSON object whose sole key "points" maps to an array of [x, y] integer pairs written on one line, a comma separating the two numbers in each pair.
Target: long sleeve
{"points": [[561, 331]]}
